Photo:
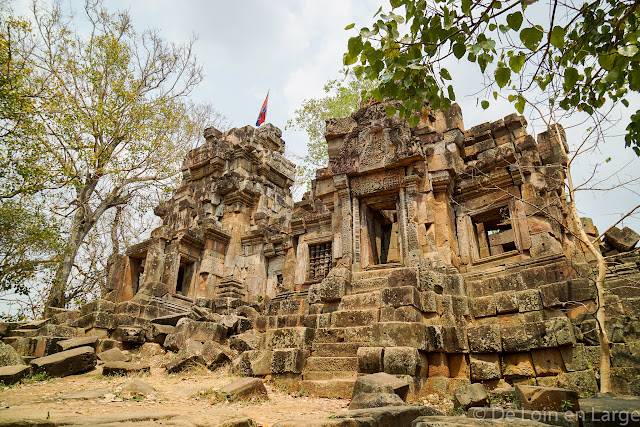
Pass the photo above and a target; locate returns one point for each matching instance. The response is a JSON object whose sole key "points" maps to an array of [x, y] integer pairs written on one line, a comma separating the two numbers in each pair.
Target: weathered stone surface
{"points": [[95, 393], [287, 360], [9, 356], [381, 383], [184, 361], [199, 331], [375, 400], [521, 417], [400, 416], [253, 363], [624, 240], [517, 365], [404, 361], [113, 355], [12, 374], [136, 387], [66, 362], [77, 342], [484, 366], [547, 398], [370, 360], [470, 395], [397, 334], [245, 389], [250, 340], [124, 368], [129, 334], [214, 353], [289, 338], [484, 339]]}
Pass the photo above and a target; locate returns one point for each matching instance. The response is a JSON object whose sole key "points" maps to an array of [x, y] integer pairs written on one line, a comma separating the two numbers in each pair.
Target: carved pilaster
{"points": [[410, 193], [402, 221], [347, 223], [356, 230]]}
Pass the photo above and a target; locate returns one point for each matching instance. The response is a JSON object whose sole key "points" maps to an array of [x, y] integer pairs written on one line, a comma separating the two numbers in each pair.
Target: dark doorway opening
{"points": [[185, 275]]}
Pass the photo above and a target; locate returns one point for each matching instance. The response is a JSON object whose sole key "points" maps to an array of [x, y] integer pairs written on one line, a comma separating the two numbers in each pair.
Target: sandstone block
{"points": [[113, 355], [515, 338], [485, 338], [483, 306], [136, 387], [404, 361], [429, 301], [381, 383], [538, 335], [288, 360], [438, 365], [345, 319], [289, 338], [529, 300], [375, 400], [547, 398], [184, 361], [623, 240], [98, 305], [401, 296], [245, 389], [484, 366], [249, 340], [506, 302], [397, 334], [129, 334], [214, 353], [547, 361], [370, 360], [124, 368], [77, 342], [582, 290], [9, 356], [470, 395], [517, 365], [12, 374], [585, 381], [554, 294], [66, 362]]}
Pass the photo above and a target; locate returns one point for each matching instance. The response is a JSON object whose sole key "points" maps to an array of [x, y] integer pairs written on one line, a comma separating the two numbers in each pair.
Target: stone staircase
{"points": [[332, 368]]}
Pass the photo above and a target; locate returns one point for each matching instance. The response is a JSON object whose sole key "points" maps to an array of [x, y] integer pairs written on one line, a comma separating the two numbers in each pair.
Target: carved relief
{"points": [[377, 182]]}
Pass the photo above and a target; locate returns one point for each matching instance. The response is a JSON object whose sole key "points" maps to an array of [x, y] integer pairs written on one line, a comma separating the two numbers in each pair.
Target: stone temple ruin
{"points": [[436, 253]]}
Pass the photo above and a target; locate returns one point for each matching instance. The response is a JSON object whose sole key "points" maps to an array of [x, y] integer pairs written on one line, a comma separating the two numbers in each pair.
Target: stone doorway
{"points": [[185, 277], [381, 241]]}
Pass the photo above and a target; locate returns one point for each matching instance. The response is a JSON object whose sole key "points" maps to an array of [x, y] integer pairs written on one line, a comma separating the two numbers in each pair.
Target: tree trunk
{"points": [[605, 345]]}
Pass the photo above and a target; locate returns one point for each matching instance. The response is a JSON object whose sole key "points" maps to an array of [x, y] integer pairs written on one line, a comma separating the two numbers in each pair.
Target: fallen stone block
{"points": [[245, 389], [150, 349], [183, 362], [470, 395], [129, 334], [98, 305], [214, 353], [249, 340], [375, 400], [9, 356], [547, 398], [77, 342], [12, 374], [51, 330], [191, 329], [157, 333], [113, 355], [253, 363], [382, 383], [136, 387], [396, 416], [124, 368], [66, 362], [623, 240], [95, 393]]}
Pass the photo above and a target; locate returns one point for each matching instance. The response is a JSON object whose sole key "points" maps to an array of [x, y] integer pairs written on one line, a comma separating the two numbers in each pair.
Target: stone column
{"points": [[356, 232], [341, 183]]}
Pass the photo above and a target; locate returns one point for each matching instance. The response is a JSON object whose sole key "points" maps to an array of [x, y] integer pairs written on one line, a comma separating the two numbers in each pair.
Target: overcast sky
{"points": [[292, 47]]}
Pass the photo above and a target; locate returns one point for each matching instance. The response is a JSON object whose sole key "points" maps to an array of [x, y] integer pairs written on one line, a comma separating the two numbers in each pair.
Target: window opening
{"points": [[494, 232], [319, 261]]}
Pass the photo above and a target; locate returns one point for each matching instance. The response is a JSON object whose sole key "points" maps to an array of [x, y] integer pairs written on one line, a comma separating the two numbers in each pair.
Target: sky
{"points": [[292, 47]]}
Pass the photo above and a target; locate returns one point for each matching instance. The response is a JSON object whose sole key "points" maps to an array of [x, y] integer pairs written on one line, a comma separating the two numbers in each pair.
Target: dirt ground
{"points": [[183, 393], [176, 393]]}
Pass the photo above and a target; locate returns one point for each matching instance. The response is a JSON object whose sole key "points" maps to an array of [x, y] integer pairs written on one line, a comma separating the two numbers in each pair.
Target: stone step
{"points": [[372, 274], [328, 388], [350, 318], [21, 333], [337, 349], [332, 364], [325, 375], [360, 301], [359, 286]]}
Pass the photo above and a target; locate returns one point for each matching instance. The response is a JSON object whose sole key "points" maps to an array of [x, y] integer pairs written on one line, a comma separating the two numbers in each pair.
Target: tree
{"points": [[588, 51], [343, 98], [114, 114]]}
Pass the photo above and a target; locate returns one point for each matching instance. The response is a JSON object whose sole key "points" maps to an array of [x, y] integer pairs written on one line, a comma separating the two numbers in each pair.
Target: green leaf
{"points": [[520, 104], [530, 37], [517, 62], [514, 20], [444, 73], [396, 3], [571, 77], [466, 7], [459, 50], [390, 111], [625, 102], [485, 104], [350, 26], [557, 37], [629, 50], [355, 46], [502, 75], [413, 120], [606, 61], [452, 95]]}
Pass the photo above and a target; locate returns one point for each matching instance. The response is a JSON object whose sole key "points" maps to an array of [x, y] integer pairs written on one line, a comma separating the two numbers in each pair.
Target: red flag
{"points": [[263, 112]]}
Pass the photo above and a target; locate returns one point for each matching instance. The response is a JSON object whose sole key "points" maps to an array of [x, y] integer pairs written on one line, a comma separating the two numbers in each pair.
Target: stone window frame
{"points": [[475, 255], [316, 278]]}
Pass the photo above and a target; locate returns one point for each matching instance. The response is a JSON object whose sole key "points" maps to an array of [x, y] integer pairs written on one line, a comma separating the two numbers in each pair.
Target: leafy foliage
{"points": [[587, 53], [343, 98]]}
